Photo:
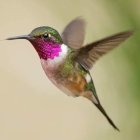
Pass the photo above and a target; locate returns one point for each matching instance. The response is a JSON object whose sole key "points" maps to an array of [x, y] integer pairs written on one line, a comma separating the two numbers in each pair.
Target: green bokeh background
{"points": [[30, 106]]}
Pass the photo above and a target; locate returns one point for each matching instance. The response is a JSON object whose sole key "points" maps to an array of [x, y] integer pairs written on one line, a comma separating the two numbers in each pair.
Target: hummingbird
{"points": [[67, 62]]}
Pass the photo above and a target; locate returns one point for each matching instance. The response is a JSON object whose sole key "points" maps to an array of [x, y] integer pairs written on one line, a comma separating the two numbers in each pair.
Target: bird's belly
{"points": [[72, 85], [69, 88], [63, 85], [59, 82]]}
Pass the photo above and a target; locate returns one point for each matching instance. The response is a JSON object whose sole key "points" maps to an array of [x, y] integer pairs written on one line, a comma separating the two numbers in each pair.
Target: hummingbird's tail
{"points": [[99, 106], [93, 97]]}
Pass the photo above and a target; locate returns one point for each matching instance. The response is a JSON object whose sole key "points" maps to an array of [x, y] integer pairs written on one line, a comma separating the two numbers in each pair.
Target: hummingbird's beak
{"points": [[19, 37]]}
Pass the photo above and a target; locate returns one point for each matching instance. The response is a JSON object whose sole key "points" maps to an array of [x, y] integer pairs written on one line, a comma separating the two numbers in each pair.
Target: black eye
{"points": [[46, 36]]}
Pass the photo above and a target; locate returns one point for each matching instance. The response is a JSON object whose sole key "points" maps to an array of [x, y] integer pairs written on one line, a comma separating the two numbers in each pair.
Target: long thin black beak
{"points": [[19, 37]]}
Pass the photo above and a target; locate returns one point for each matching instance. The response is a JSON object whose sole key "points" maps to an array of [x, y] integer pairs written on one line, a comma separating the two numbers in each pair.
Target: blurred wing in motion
{"points": [[74, 33], [90, 53]]}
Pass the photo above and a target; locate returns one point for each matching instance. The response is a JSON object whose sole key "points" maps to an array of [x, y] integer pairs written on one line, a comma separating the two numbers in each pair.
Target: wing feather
{"points": [[90, 53], [74, 33]]}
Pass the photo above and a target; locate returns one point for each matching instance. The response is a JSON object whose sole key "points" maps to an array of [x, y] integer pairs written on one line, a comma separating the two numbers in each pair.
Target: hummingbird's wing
{"points": [[90, 53], [74, 33]]}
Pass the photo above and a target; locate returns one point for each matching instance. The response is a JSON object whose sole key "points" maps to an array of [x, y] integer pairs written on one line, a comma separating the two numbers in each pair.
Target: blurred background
{"points": [[32, 108]]}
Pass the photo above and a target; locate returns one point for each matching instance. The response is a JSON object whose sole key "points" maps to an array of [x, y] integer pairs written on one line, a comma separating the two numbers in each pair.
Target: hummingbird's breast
{"points": [[52, 67], [66, 74]]}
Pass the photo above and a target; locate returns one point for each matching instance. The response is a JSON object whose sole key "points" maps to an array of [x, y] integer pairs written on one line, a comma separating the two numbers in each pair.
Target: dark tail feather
{"points": [[105, 114]]}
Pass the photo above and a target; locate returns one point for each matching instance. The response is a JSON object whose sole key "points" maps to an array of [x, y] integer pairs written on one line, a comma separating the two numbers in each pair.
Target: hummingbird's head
{"points": [[46, 41]]}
